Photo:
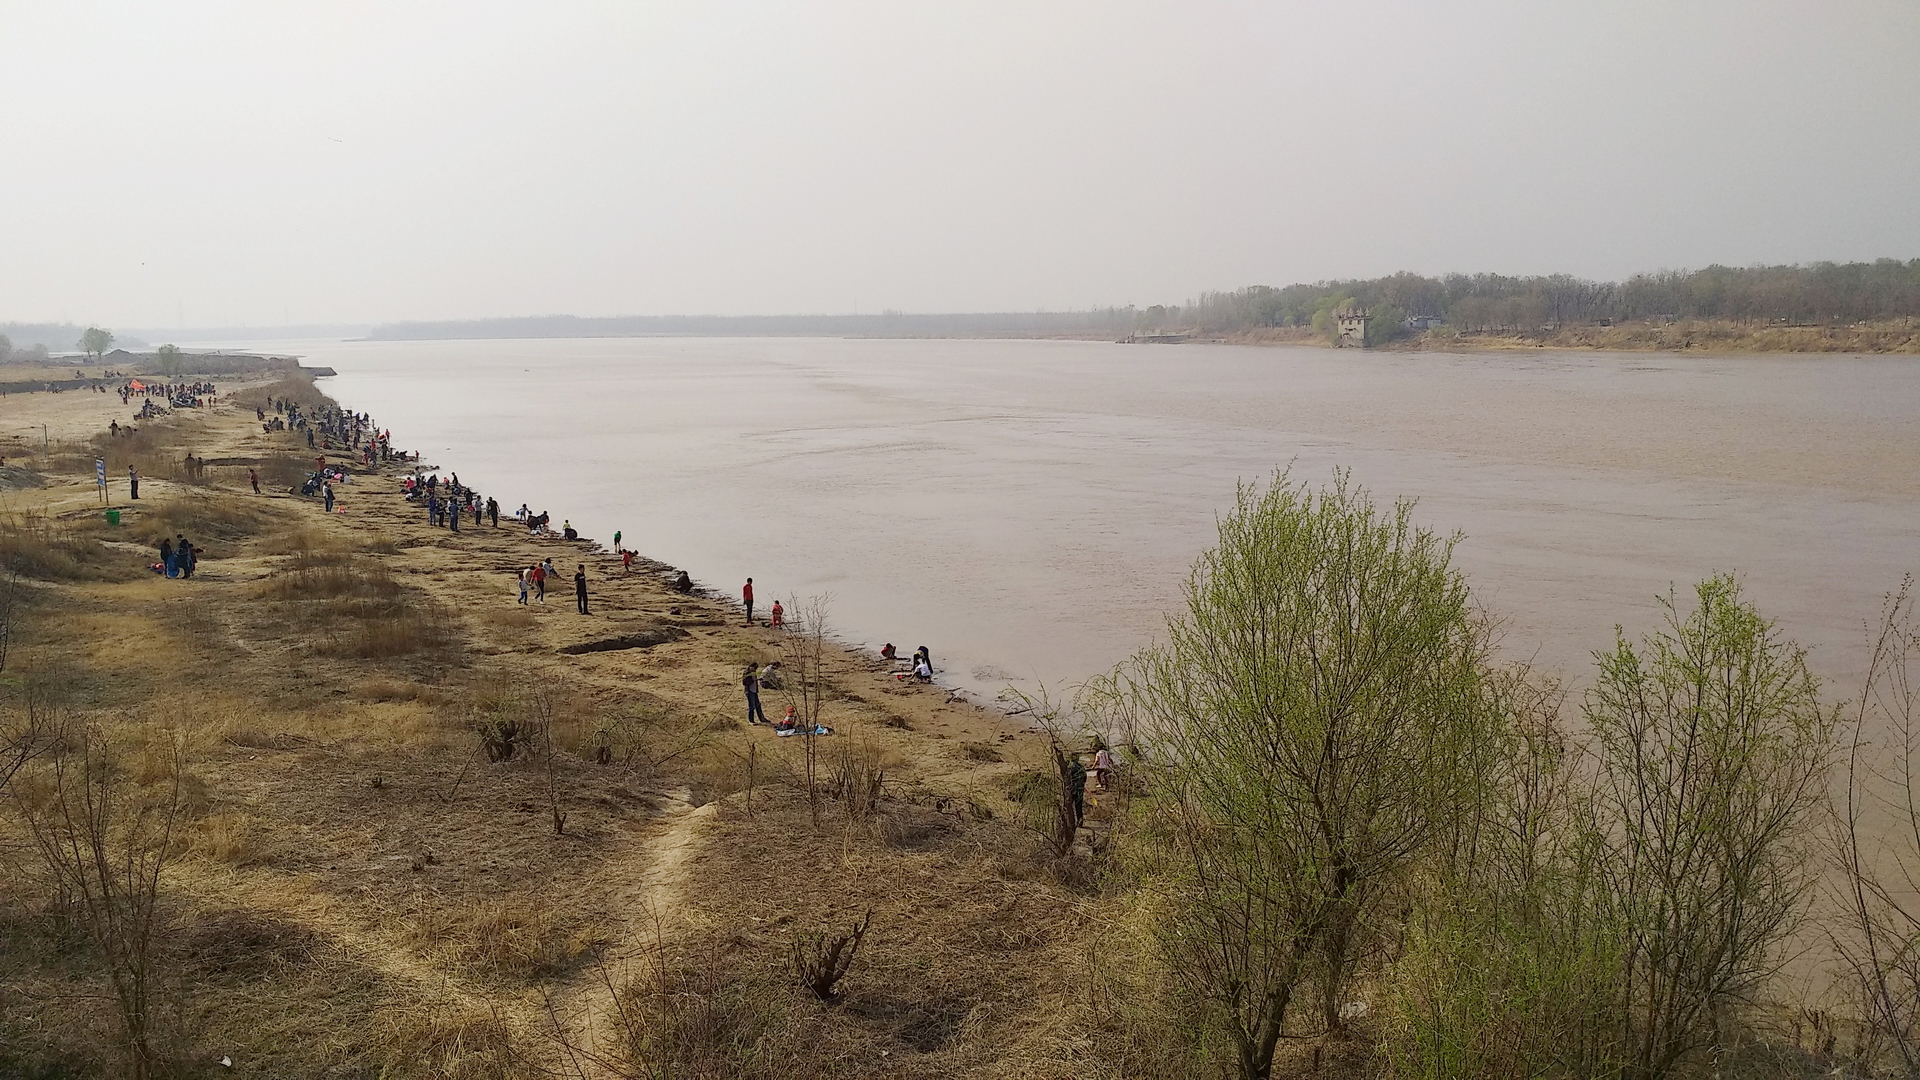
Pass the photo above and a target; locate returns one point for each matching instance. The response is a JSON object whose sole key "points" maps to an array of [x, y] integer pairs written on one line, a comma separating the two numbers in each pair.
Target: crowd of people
{"points": [[188, 395]]}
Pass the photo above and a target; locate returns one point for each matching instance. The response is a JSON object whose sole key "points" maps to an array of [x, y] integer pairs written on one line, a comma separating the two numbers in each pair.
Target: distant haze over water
{"points": [[1028, 509]]}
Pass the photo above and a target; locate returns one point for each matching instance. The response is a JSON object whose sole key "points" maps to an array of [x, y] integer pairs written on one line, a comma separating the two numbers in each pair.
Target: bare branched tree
{"points": [[1877, 843], [105, 840], [806, 652]]}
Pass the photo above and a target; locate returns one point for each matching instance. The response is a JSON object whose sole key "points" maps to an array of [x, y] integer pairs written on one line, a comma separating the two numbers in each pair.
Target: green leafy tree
{"points": [[1319, 712], [96, 341], [1714, 748], [6, 348], [172, 362]]}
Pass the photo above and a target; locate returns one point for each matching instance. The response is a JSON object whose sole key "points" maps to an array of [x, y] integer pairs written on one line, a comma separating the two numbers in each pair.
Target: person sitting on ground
{"points": [[566, 531], [683, 583], [770, 677], [788, 723], [889, 653], [923, 669]]}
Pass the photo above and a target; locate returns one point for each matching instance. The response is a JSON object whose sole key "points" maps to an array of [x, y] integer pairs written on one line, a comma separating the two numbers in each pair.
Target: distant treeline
{"points": [[1821, 293], [1100, 321], [1818, 294], [33, 341]]}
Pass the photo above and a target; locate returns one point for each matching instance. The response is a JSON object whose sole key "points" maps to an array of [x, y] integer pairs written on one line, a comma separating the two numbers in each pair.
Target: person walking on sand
{"points": [[626, 562], [523, 584], [326, 491], [746, 597], [133, 483], [751, 681], [253, 477], [580, 589], [539, 575]]}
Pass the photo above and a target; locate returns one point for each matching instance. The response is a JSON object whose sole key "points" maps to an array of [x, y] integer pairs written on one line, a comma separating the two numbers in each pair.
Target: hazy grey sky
{"points": [[253, 162]]}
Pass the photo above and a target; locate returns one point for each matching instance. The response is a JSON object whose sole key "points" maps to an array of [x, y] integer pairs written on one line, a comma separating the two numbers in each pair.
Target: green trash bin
{"points": [[113, 518]]}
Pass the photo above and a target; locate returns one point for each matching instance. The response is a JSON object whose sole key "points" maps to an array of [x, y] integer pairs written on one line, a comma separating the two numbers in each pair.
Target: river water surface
{"points": [[1028, 509]]}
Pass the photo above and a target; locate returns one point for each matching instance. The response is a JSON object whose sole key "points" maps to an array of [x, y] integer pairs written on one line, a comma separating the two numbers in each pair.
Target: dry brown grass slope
{"points": [[354, 886]]}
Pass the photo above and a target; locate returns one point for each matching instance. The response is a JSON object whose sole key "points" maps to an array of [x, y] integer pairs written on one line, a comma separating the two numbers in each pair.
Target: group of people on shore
{"points": [[919, 668], [533, 583], [178, 558], [447, 503]]}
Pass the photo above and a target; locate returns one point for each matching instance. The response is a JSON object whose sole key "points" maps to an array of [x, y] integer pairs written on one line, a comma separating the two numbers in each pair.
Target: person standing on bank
{"points": [[746, 597], [253, 477], [751, 681], [326, 489], [493, 511], [133, 483], [580, 589]]}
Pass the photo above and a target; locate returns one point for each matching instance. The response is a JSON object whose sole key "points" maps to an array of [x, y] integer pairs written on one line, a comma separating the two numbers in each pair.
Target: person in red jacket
{"points": [[746, 597], [778, 619]]}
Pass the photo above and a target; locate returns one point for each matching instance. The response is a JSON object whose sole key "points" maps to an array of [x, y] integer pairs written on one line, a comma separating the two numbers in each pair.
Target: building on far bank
{"points": [[1417, 323], [1352, 322]]}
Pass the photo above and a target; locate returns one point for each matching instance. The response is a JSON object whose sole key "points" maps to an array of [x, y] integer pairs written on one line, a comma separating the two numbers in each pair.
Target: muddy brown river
{"points": [[1027, 509]]}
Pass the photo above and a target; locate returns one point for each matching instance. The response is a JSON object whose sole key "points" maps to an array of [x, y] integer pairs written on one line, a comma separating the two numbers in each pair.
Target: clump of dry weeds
{"points": [[512, 939]]}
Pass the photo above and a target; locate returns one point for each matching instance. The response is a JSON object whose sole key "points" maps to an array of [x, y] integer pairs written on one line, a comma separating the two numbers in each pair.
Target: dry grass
{"points": [[38, 548], [518, 938], [212, 522], [446, 1041], [356, 608], [232, 838], [387, 690], [293, 387]]}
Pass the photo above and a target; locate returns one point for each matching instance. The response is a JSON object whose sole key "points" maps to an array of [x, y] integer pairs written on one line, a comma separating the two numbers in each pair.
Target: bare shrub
{"points": [[822, 958], [650, 735], [104, 841], [807, 685], [28, 729], [856, 774], [1877, 844]]}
